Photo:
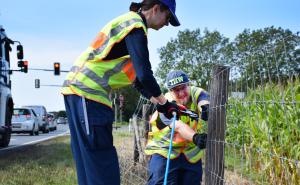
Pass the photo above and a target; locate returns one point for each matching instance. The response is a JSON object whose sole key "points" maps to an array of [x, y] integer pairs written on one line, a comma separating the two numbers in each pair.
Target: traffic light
{"points": [[20, 52], [56, 68], [25, 66], [20, 63], [37, 83]]}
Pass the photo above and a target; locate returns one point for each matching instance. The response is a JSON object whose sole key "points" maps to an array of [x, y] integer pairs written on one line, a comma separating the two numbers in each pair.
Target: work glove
{"points": [[200, 140], [204, 112], [168, 108], [165, 120]]}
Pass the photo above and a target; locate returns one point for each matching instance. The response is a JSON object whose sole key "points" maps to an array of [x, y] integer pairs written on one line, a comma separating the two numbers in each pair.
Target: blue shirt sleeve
{"points": [[137, 46], [138, 86], [204, 96]]}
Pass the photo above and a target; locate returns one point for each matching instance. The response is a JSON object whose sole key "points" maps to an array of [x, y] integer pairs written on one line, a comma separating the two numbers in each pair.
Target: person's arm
{"points": [[138, 86], [155, 100], [203, 105], [186, 132], [183, 129], [137, 45]]}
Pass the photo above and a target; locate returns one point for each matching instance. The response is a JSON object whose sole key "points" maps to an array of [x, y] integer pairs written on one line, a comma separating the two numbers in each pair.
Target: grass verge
{"points": [[48, 163], [51, 162]]}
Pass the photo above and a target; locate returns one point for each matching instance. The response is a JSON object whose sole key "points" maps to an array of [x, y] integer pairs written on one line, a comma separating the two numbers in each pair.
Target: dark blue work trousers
{"points": [[181, 172], [92, 142]]}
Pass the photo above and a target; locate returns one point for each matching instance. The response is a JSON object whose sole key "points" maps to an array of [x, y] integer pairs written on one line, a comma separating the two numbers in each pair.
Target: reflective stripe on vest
{"points": [[93, 77], [105, 39], [158, 141]]}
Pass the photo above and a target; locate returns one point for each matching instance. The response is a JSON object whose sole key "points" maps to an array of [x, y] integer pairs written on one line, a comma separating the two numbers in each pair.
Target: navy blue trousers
{"points": [[92, 142], [181, 172]]}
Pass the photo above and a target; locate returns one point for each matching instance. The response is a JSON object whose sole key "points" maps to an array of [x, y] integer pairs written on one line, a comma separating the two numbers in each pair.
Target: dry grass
{"points": [[52, 163], [136, 174], [234, 178], [131, 173]]}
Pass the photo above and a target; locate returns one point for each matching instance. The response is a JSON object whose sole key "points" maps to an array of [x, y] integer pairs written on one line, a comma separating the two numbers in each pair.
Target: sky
{"points": [[60, 30]]}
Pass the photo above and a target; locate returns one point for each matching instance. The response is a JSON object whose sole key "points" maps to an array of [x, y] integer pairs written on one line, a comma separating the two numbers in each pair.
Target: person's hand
{"points": [[168, 108], [204, 112], [200, 140], [165, 120]]}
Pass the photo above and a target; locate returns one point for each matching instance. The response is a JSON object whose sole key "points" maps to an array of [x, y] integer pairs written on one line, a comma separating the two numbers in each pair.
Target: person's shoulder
{"points": [[197, 88], [130, 15]]}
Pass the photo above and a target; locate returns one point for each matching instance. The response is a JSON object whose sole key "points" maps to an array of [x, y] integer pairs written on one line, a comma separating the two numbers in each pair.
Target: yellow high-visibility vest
{"points": [[92, 76], [159, 140]]}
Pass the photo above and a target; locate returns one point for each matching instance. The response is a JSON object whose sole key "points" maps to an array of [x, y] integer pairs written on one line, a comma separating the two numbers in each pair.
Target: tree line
{"points": [[268, 55]]}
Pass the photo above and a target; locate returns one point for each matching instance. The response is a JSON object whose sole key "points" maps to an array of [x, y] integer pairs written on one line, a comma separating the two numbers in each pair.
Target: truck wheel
{"points": [[4, 141]]}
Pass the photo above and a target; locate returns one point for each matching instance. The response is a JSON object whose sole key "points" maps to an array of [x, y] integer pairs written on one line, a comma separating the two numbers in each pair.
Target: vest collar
{"points": [[144, 19]]}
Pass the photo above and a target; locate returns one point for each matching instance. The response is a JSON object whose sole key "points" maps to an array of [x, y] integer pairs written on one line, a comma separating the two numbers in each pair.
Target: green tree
{"points": [[266, 55], [194, 53], [61, 113], [131, 97]]}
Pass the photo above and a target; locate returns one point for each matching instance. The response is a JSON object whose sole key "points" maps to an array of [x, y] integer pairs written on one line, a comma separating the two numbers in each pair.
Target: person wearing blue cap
{"points": [[117, 57], [189, 138]]}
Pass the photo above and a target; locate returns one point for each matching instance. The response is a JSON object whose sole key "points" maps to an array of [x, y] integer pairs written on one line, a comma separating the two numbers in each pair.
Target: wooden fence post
{"points": [[214, 162], [146, 114], [137, 155]]}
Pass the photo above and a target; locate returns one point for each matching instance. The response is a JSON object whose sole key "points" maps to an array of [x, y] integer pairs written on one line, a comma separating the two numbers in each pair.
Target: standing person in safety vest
{"points": [[189, 140], [117, 57]]}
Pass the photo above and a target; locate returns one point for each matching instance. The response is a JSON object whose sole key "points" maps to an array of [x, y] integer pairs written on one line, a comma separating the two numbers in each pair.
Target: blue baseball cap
{"points": [[171, 4], [175, 78]]}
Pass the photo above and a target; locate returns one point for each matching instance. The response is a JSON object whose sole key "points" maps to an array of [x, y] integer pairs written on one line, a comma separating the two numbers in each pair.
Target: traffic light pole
{"points": [[38, 69], [51, 85], [35, 69]]}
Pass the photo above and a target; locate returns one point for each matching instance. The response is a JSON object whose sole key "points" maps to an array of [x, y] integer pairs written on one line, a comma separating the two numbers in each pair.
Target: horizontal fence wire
{"points": [[131, 145], [262, 117]]}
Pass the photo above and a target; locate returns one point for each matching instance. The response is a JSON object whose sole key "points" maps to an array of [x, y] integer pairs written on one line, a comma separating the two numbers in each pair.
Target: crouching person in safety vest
{"points": [[189, 140]]}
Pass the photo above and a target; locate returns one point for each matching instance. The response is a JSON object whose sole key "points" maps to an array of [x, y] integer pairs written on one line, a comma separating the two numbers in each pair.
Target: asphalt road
{"points": [[25, 139]]}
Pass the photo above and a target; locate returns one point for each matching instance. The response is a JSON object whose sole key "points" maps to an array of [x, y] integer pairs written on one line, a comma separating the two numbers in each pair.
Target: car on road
{"points": [[24, 120], [61, 120], [42, 117], [51, 121]]}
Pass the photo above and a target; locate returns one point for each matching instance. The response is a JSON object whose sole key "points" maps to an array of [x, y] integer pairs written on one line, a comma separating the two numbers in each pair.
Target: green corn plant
{"points": [[265, 128]]}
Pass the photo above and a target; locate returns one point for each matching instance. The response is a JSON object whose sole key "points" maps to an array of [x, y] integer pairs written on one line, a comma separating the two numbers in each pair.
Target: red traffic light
{"points": [[56, 68], [24, 66]]}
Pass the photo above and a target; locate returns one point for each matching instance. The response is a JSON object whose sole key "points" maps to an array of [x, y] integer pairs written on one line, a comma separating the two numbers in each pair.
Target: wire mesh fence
{"points": [[254, 122], [263, 120], [131, 145], [132, 173]]}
